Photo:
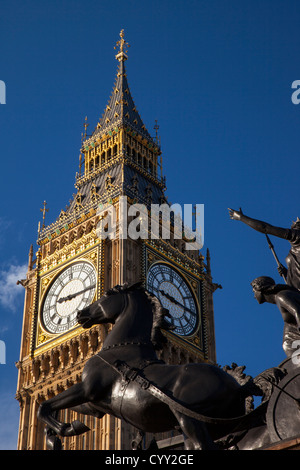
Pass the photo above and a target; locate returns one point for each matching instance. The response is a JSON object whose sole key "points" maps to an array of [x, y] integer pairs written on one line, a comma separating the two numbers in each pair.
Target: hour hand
{"points": [[68, 297], [169, 297], [72, 296]]}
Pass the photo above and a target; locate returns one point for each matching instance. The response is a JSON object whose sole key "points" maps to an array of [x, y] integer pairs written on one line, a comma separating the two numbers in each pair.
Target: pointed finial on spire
{"points": [[30, 258], [156, 127], [157, 138], [85, 125], [122, 54], [44, 210]]}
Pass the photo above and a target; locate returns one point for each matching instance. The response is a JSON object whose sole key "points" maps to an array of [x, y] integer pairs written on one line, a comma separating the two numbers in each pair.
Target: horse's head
{"points": [[147, 316], [104, 310]]}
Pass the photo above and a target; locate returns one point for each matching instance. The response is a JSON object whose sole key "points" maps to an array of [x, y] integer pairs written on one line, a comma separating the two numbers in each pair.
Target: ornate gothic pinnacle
{"points": [[122, 54]]}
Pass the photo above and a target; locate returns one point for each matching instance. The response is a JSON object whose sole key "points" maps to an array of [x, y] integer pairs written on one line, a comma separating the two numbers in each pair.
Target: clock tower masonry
{"points": [[74, 266]]}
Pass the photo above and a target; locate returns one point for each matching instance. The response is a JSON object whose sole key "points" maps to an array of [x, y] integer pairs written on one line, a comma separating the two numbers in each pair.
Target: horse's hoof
{"points": [[76, 428]]}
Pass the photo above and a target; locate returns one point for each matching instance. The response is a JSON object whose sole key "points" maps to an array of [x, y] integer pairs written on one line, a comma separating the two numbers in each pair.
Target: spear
{"points": [[274, 254]]}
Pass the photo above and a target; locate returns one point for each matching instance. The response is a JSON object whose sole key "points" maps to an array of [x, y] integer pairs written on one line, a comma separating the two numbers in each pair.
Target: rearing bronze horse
{"points": [[137, 317]]}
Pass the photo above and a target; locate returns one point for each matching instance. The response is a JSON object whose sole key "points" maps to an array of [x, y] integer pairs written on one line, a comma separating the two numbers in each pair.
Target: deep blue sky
{"points": [[217, 76]]}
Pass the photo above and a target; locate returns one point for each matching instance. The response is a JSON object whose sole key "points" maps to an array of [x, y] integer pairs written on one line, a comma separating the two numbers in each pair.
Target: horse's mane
{"points": [[159, 312]]}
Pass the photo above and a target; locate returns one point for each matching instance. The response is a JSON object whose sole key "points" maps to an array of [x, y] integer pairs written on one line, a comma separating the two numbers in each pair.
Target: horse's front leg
{"points": [[69, 398]]}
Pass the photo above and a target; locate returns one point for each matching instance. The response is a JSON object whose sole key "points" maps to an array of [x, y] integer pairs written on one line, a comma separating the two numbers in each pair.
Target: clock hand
{"points": [[71, 296], [169, 297]]}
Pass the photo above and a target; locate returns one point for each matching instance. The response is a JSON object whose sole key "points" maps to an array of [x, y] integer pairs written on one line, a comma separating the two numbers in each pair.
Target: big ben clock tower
{"points": [[73, 267]]}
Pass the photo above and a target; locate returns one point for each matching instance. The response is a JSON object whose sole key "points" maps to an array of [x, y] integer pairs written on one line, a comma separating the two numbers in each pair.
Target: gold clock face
{"points": [[72, 290], [175, 294]]}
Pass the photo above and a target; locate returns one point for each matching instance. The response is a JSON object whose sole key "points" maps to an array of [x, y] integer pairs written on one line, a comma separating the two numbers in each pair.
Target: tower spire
{"points": [[122, 54], [121, 110], [120, 134]]}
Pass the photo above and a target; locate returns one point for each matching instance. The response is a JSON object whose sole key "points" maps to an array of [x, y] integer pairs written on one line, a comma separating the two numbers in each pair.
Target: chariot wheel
{"points": [[283, 412]]}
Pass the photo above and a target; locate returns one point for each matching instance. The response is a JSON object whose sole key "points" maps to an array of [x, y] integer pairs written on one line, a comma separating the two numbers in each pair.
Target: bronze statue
{"points": [[287, 300], [292, 272], [126, 379]]}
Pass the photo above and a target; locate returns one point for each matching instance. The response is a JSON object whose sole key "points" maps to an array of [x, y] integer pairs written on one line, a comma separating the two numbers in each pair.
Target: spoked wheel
{"points": [[283, 413]]}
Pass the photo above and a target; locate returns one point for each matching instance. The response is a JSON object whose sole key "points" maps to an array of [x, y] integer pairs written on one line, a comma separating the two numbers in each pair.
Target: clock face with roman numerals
{"points": [[72, 290], [175, 295]]}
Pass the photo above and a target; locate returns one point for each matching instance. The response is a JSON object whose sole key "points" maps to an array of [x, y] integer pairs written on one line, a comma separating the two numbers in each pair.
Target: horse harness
{"points": [[133, 374]]}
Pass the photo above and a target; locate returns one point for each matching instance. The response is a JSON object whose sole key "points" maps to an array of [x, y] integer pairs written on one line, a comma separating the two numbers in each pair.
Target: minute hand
{"points": [[169, 297], [71, 296]]}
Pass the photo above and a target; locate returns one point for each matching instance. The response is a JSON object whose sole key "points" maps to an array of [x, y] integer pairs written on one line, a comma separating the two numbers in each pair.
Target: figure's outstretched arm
{"points": [[258, 225]]}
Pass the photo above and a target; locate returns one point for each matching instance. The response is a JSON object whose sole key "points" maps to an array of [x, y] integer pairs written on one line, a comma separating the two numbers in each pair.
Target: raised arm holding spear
{"points": [[291, 274]]}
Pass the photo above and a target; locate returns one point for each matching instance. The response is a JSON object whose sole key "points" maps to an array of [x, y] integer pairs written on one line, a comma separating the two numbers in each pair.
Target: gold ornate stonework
{"points": [[119, 158]]}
